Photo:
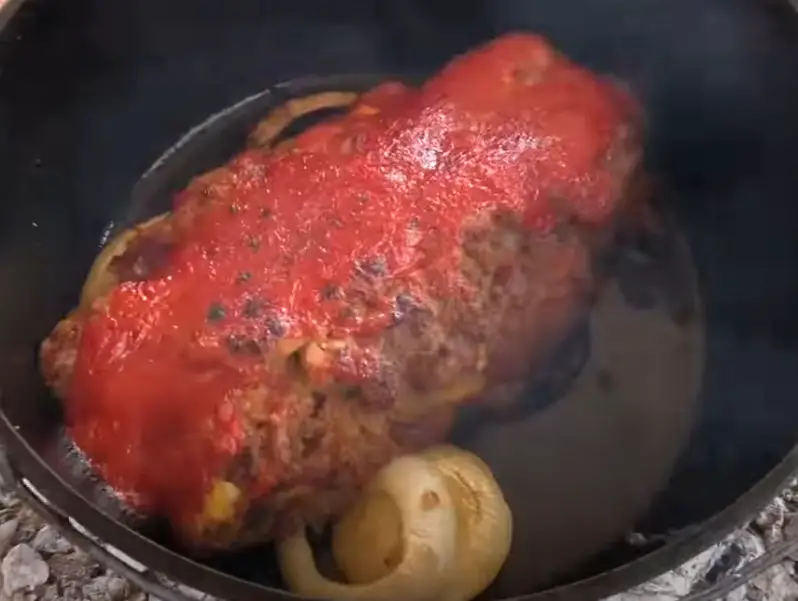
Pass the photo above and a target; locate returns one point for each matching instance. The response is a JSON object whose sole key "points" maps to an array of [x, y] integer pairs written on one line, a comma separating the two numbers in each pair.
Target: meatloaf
{"points": [[308, 312]]}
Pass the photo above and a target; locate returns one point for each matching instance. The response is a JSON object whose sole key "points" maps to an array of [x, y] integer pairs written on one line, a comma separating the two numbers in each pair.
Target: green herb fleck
{"points": [[253, 243], [244, 276], [216, 312], [266, 213], [234, 209]]}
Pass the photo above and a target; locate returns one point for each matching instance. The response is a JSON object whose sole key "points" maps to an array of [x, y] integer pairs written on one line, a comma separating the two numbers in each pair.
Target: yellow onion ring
{"points": [[280, 118], [366, 538], [429, 536], [101, 280], [484, 526]]}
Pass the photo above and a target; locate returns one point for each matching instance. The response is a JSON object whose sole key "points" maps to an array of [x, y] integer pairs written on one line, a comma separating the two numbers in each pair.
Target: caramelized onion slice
{"points": [[484, 521], [366, 539], [280, 118], [428, 538], [373, 523], [101, 279]]}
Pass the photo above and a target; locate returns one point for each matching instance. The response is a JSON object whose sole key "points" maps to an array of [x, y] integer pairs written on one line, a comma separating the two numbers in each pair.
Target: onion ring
{"points": [[101, 280], [366, 538], [280, 118], [428, 530]]}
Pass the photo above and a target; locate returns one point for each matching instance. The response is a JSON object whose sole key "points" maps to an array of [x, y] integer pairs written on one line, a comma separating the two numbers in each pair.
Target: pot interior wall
{"points": [[93, 92]]}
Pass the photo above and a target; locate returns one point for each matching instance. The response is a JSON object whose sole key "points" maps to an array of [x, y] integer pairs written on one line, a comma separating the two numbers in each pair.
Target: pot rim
{"points": [[24, 462]]}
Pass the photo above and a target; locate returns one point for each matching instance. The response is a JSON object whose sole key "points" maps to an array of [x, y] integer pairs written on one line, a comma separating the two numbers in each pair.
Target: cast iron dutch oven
{"points": [[674, 412]]}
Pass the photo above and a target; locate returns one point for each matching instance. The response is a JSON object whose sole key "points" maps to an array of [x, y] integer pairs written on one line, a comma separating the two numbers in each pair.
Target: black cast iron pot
{"points": [[677, 415]]}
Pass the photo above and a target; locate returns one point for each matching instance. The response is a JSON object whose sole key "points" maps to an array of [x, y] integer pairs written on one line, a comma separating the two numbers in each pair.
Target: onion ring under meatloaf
{"points": [[306, 313]]}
